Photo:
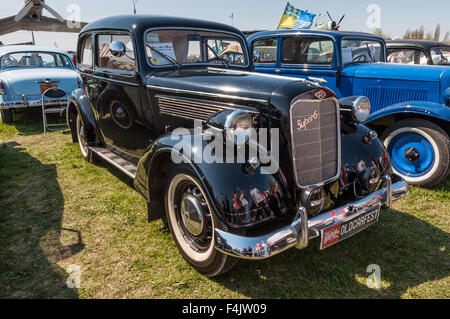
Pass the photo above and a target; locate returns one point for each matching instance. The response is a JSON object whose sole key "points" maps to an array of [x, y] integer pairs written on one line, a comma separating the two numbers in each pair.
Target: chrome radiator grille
{"points": [[315, 126], [189, 108]]}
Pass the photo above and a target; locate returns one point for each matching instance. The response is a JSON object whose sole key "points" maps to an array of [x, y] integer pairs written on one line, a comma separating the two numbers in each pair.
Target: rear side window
{"points": [[86, 52], [265, 51], [407, 56], [308, 51], [106, 60]]}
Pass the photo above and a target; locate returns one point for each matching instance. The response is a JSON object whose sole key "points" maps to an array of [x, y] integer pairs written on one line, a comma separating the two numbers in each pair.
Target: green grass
{"points": [[57, 210]]}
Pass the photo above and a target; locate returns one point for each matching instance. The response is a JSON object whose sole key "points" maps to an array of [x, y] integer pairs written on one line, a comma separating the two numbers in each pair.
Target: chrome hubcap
{"points": [[192, 214]]}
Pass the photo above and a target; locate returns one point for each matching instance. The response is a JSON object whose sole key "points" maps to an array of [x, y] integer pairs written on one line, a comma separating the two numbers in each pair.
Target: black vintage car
{"points": [[289, 162], [422, 52]]}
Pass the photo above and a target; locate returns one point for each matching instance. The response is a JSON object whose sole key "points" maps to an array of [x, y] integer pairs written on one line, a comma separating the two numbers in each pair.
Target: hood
{"points": [[23, 82], [388, 71], [242, 84]]}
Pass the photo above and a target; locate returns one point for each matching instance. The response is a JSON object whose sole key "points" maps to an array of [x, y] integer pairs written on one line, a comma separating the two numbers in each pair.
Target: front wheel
{"points": [[188, 213], [419, 151], [6, 116]]}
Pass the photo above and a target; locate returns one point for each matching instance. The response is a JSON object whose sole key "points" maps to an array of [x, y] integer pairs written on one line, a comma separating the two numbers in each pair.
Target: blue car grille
{"points": [[383, 97]]}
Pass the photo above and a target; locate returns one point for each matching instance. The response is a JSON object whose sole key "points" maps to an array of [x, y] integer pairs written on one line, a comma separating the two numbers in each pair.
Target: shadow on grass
{"points": [[32, 240], [28, 122], [409, 251]]}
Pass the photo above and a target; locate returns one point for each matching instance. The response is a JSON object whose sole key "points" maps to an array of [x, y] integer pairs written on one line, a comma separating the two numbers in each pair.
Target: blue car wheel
{"points": [[419, 151]]}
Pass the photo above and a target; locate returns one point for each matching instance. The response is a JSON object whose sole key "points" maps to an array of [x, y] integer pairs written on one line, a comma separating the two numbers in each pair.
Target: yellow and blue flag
{"points": [[294, 18]]}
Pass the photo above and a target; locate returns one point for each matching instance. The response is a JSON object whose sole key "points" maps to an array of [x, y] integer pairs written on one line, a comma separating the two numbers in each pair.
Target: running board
{"points": [[114, 159]]}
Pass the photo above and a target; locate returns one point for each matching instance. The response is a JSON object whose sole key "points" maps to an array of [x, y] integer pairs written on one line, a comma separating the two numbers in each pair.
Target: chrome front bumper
{"points": [[17, 104], [302, 230]]}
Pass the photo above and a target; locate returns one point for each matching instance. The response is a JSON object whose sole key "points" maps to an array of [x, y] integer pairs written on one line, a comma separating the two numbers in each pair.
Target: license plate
{"points": [[337, 233], [45, 87]]}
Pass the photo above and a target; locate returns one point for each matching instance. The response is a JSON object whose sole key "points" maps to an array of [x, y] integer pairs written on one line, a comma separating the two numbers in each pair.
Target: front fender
{"points": [[427, 109], [221, 181], [80, 101]]}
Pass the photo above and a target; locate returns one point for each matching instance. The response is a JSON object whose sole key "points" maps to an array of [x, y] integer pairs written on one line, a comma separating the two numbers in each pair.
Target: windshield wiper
{"points": [[370, 52], [221, 59], [168, 58]]}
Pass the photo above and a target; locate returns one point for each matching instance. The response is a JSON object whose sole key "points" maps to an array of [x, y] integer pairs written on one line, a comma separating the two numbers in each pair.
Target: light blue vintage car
{"points": [[410, 104], [27, 71]]}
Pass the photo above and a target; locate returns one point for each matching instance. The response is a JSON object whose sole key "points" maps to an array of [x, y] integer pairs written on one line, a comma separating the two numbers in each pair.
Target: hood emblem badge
{"points": [[303, 125], [321, 94]]}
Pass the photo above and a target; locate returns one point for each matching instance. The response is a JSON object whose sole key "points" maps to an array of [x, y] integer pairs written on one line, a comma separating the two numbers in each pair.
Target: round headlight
{"points": [[361, 109], [238, 127]]}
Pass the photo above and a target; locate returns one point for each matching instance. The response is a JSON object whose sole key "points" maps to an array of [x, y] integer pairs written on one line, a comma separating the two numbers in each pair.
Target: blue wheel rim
{"points": [[401, 144]]}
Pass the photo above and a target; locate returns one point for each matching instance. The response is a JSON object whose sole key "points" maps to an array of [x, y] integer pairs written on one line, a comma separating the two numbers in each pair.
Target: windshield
{"points": [[440, 56], [180, 47], [35, 60], [361, 51]]}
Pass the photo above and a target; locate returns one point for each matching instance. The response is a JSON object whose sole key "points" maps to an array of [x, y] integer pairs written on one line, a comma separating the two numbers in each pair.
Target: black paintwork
{"points": [[146, 140], [421, 45]]}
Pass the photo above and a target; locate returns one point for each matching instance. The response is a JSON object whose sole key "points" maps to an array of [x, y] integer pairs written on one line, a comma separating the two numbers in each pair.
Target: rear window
{"points": [[35, 60], [265, 51]]}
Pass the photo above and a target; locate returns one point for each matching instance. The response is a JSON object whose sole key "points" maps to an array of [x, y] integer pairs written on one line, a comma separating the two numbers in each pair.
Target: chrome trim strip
{"points": [[33, 103], [213, 95], [108, 79], [301, 229]]}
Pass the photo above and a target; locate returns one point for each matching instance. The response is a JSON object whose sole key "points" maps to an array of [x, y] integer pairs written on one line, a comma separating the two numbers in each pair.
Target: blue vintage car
{"points": [[27, 71], [410, 104]]}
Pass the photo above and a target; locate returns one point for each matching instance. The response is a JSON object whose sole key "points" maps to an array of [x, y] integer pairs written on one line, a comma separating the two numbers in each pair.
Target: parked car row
{"points": [[295, 154]]}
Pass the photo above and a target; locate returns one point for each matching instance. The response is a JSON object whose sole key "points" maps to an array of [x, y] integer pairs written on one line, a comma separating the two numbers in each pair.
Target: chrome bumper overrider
{"points": [[302, 230], [30, 103]]}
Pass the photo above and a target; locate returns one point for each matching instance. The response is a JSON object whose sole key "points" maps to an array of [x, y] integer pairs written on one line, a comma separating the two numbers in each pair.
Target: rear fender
{"points": [[79, 104]]}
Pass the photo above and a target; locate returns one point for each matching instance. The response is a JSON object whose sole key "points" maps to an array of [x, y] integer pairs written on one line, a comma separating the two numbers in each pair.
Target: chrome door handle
{"points": [[277, 71]]}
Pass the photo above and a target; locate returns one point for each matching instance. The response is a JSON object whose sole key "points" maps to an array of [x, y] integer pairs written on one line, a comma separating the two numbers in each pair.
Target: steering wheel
{"points": [[361, 58]]}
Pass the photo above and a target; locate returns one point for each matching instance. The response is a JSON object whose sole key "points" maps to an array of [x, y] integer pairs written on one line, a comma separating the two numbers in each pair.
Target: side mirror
{"points": [[118, 49]]}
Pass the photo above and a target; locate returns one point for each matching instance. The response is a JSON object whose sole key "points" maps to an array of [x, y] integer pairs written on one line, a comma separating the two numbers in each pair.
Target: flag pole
{"points": [[285, 8]]}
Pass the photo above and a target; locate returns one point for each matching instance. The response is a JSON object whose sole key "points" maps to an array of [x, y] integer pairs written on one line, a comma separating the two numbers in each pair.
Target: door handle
{"points": [[278, 71]]}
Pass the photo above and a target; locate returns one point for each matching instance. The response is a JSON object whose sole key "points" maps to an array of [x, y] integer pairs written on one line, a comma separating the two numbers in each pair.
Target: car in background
{"points": [[26, 72], [420, 52], [410, 104], [150, 83]]}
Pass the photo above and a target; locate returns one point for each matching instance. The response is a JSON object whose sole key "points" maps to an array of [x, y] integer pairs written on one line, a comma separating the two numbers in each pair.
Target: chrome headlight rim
{"points": [[238, 135], [359, 115]]}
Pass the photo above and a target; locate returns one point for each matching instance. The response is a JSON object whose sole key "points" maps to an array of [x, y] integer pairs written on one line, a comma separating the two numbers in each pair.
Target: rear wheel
{"points": [[7, 116], [188, 213], [87, 154], [419, 150]]}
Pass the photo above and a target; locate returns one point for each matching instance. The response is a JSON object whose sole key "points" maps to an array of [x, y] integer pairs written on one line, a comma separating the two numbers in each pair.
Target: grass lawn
{"points": [[56, 210]]}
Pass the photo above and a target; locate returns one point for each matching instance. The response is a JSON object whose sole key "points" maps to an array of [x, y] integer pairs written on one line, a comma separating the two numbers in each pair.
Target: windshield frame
{"points": [[37, 67], [238, 37], [362, 38], [440, 48]]}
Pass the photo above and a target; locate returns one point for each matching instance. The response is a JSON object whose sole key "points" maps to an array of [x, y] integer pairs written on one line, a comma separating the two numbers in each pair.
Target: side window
{"points": [[308, 51], [407, 56], [106, 60], [86, 52], [265, 51]]}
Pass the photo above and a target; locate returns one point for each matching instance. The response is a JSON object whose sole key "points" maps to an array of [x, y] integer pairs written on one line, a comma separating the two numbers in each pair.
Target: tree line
{"points": [[419, 34]]}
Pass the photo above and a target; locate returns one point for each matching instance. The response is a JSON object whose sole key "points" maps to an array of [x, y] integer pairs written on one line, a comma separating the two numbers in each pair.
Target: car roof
{"points": [[29, 48], [335, 34], [424, 44], [140, 23]]}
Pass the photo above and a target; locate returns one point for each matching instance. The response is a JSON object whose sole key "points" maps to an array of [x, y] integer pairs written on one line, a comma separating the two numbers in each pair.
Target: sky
{"points": [[395, 16]]}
